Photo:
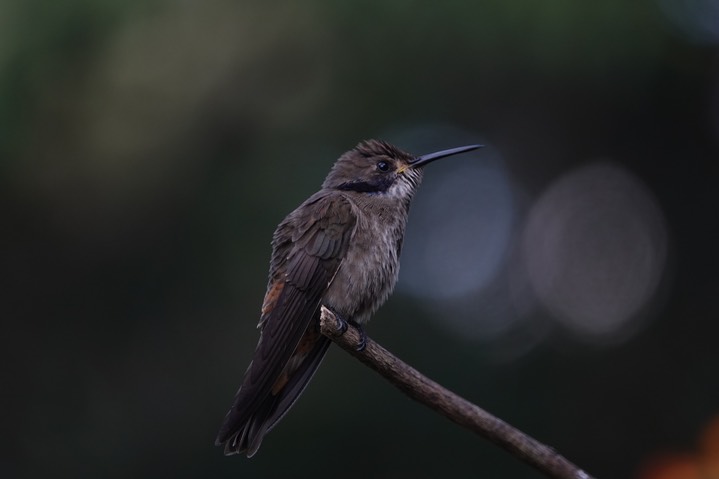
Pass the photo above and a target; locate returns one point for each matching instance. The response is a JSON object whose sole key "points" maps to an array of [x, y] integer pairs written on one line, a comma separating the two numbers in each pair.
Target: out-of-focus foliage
{"points": [[564, 277]]}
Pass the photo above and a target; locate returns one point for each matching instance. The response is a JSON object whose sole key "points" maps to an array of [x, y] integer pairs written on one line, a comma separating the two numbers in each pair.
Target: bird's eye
{"points": [[382, 166]]}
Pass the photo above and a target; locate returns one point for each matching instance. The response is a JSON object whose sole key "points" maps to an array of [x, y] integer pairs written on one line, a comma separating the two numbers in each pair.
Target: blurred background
{"points": [[563, 278]]}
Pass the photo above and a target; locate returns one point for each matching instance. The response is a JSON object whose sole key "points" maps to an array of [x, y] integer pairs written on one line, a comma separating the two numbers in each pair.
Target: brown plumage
{"points": [[340, 248]]}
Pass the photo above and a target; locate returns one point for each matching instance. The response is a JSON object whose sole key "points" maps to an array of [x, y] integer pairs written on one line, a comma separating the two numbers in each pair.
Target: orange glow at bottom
{"points": [[701, 465]]}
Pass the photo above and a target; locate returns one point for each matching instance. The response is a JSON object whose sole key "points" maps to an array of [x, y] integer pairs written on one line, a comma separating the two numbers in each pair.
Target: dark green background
{"points": [[148, 149]]}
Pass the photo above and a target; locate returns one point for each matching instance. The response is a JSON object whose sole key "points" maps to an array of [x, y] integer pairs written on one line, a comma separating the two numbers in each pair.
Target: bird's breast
{"points": [[369, 271]]}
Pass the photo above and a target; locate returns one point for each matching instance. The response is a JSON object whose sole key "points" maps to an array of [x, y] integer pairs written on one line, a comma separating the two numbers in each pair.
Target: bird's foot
{"points": [[363, 336], [341, 323]]}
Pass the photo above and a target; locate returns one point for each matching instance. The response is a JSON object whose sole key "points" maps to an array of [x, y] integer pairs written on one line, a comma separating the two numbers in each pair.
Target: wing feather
{"points": [[308, 248]]}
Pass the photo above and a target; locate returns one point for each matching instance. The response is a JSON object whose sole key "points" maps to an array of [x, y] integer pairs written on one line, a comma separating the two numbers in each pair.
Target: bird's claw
{"points": [[341, 324], [327, 314], [363, 336]]}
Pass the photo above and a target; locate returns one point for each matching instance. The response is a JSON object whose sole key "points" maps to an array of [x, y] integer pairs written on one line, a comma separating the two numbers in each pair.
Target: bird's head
{"points": [[376, 167]]}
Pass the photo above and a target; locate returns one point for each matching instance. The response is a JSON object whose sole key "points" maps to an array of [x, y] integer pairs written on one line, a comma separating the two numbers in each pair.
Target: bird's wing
{"points": [[308, 248]]}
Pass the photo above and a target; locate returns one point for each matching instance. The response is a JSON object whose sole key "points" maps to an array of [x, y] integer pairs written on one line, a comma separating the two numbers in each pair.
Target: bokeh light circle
{"points": [[595, 247], [460, 228]]}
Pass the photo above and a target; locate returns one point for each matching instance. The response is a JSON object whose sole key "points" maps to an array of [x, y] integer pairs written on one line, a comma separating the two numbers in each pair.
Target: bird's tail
{"points": [[247, 437]]}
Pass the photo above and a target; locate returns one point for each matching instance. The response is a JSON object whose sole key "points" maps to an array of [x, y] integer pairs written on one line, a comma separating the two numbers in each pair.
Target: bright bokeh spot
{"points": [[595, 246], [462, 224], [465, 219]]}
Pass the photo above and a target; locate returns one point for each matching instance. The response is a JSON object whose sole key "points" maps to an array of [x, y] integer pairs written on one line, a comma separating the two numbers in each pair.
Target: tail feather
{"points": [[246, 438]]}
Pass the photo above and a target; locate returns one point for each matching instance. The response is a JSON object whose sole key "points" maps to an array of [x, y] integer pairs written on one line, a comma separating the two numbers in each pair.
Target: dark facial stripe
{"points": [[379, 185]]}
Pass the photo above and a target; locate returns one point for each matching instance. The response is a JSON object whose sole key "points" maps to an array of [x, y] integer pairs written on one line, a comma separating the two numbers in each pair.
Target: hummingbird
{"points": [[341, 249]]}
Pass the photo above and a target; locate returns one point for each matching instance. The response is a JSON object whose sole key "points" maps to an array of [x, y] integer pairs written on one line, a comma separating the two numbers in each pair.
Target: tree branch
{"points": [[457, 409]]}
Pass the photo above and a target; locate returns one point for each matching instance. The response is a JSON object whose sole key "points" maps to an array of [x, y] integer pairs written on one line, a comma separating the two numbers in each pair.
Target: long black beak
{"points": [[428, 158]]}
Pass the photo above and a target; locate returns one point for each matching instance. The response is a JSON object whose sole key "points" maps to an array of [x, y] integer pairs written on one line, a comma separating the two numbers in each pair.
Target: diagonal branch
{"points": [[457, 409]]}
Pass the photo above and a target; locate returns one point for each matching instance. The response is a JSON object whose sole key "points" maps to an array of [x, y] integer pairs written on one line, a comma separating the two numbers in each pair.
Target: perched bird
{"points": [[339, 249]]}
